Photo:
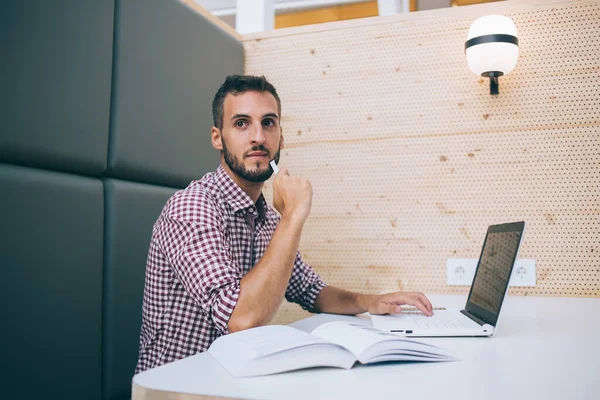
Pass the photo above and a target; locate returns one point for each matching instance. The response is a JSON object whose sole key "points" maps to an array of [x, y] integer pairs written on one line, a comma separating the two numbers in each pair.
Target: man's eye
{"points": [[240, 123], [268, 122]]}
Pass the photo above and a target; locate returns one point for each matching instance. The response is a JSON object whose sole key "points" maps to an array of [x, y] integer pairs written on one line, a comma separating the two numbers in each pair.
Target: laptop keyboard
{"points": [[436, 321]]}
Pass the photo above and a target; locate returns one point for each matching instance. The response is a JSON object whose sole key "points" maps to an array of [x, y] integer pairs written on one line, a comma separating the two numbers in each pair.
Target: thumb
{"points": [[390, 309], [283, 171]]}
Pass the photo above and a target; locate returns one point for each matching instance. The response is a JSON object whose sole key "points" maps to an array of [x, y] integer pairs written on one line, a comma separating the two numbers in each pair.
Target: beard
{"points": [[256, 175]]}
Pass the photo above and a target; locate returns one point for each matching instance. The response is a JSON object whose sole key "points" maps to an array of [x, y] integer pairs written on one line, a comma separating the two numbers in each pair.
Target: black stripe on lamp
{"points": [[492, 48]]}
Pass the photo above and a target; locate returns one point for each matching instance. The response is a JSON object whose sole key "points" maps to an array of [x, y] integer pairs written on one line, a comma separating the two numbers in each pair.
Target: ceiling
{"points": [[227, 7]]}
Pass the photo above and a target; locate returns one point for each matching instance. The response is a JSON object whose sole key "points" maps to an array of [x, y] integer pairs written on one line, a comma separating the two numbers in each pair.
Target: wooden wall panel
{"points": [[411, 158]]}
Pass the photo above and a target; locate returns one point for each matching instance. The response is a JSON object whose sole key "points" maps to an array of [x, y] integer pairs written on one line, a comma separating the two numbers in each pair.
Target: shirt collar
{"points": [[235, 196]]}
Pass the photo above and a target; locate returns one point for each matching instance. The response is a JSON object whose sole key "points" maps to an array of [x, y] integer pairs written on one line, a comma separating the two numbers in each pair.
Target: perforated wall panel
{"points": [[411, 158]]}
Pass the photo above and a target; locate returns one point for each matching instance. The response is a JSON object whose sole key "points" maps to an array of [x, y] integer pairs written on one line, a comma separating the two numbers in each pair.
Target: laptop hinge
{"points": [[474, 318]]}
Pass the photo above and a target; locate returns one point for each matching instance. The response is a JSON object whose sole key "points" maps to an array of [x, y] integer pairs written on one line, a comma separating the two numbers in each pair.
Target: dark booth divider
{"points": [[106, 112]]}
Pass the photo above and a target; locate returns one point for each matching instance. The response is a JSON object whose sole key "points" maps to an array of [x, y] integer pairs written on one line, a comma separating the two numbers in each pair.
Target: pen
{"points": [[274, 166]]}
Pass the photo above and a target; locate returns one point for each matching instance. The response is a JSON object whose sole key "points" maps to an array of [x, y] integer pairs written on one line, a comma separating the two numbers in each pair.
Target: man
{"points": [[221, 259]]}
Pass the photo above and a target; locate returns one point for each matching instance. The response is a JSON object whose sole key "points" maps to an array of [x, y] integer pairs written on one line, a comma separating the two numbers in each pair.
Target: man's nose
{"points": [[258, 135]]}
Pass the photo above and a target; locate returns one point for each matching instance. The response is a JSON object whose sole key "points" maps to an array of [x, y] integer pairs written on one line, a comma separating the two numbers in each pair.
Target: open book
{"points": [[275, 348]]}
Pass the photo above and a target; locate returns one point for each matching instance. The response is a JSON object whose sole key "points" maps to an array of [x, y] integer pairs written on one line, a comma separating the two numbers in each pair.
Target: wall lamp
{"points": [[492, 48]]}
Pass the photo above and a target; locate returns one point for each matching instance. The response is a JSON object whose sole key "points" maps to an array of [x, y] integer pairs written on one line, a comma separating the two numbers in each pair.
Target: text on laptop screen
{"points": [[494, 270]]}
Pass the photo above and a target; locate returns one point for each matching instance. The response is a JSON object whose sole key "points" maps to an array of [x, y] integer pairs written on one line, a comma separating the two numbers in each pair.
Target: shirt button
{"points": [[251, 210]]}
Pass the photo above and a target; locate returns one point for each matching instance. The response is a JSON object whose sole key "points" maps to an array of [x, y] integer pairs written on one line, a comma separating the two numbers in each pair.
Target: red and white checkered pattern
{"points": [[206, 239]]}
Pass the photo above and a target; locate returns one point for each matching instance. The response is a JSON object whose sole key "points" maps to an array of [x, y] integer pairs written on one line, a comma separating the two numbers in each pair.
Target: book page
{"points": [[354, 337], [372, 345], [271, 349], [259, 342]]}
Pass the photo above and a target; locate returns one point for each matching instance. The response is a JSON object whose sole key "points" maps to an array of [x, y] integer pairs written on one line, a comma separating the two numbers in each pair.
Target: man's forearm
{"points": [[263, 288], [338, 301]]}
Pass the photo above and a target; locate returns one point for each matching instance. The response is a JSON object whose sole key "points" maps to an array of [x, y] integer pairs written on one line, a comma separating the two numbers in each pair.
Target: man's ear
{"points": [[215, 136], [281, 140]]}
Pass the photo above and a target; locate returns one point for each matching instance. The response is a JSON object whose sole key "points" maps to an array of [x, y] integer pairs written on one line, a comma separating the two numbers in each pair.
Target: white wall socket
{"points": [[460, 271]]}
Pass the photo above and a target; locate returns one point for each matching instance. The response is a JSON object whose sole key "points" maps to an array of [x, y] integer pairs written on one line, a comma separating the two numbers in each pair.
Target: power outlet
{"points": [[523, 273], [460, 271]]}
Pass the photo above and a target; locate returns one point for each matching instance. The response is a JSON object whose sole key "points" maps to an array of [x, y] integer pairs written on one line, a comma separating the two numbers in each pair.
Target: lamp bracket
{"points": [[493, 75]]}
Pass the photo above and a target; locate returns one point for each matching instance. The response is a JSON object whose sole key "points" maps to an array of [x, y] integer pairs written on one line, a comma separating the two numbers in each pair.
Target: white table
{"points": [[544, 348]]}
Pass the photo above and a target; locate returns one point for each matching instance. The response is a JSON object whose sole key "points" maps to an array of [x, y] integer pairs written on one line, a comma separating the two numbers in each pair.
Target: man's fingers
{"points": [[392, 303], [418, 300], [426, 301], [283, 172], [417, 303]]}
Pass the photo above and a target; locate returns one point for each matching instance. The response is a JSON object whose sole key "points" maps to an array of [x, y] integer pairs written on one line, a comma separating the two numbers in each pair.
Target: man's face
{"points": [[251, 135]]}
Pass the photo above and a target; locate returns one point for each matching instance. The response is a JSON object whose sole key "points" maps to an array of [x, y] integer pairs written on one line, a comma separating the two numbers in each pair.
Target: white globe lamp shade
{"points": [[492, 47]]}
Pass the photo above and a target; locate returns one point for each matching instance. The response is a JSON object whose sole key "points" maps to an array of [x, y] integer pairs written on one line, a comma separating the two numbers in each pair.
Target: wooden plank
{"points": [[141, 393]]}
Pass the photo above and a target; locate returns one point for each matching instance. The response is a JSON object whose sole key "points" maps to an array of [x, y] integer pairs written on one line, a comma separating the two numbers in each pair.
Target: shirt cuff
{"points": [[308, 301], [223, 304]]}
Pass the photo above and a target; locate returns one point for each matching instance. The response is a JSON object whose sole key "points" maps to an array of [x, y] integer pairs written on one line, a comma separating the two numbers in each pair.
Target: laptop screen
{"points": [[494, 270]]}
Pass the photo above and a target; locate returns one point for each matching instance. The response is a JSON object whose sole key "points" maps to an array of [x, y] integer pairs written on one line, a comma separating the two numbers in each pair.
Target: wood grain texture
{"points": [[141, 393], [411, 158]]}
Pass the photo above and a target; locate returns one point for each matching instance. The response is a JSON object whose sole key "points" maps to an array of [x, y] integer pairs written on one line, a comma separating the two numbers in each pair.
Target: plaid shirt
{"points": [[206, 239]]}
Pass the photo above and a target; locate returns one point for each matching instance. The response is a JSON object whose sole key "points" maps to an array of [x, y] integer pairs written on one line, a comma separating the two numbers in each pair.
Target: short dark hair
{"points": [[236, 84]]}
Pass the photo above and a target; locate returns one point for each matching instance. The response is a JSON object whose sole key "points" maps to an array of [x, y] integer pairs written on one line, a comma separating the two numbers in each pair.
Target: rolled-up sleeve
{"points": [[193, 239], [305, 285]]}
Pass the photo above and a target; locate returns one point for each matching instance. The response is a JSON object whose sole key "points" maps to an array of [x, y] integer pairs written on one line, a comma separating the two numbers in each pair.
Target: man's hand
{"points": [[390, 303], [292, 196]]}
